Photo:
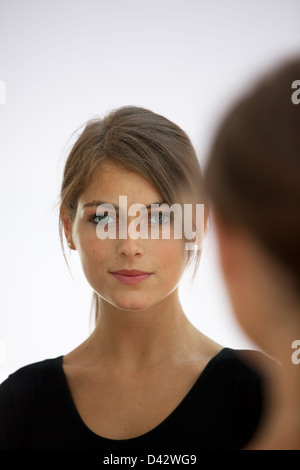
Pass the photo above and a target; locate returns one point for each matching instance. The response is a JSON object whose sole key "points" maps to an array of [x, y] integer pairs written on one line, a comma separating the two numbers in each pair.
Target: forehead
{"points": [[109, 181]]}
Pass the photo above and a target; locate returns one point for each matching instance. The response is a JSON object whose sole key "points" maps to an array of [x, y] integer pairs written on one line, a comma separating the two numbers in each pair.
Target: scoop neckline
{"points": [[158, 427]]}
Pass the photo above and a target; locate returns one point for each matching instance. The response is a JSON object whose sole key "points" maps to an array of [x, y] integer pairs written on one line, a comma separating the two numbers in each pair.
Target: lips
{"points": [[131, 276], [130, 272]]}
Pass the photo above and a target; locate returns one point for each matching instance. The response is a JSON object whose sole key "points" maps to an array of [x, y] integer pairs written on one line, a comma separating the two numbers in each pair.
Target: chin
{"points": [[131, 304]]}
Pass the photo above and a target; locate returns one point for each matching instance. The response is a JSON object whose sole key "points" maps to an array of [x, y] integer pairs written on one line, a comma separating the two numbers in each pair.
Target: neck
{"points": [[139, 339]]}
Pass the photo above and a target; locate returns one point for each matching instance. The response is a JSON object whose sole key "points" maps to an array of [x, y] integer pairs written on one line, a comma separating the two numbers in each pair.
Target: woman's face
{"points": [[163, 260]]}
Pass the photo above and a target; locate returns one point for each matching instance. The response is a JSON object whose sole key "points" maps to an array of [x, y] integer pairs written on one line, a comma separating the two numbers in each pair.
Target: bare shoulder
{"points": [[205, 347], [80, 356]]}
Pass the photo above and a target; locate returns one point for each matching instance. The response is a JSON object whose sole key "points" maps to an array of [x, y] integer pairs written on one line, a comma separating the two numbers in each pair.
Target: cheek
{"points": [[88, 245], [93, 255], [172, 258]]}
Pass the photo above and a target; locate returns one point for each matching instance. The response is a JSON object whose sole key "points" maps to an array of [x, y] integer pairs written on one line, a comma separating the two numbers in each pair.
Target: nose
{"points": [[130, 247]]}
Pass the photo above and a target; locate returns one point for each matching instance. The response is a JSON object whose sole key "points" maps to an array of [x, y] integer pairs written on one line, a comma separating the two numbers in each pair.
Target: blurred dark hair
{"points": [[252, 173]]}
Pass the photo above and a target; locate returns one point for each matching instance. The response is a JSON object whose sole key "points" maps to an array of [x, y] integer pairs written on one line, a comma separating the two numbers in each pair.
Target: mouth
{"points": [[131, 276]]}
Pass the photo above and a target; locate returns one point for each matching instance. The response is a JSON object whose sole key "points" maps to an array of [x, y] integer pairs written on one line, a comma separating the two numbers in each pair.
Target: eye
{"points": [[102, 219], [160, 218]]}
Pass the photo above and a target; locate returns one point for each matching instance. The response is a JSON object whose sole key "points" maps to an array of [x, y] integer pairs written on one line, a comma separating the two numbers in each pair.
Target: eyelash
{"points": [[92, 219], [161, 214], [169, 216]]}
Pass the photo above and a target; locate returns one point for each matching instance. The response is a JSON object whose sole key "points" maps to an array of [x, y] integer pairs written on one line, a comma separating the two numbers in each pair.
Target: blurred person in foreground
{"points": [[252, 176]]}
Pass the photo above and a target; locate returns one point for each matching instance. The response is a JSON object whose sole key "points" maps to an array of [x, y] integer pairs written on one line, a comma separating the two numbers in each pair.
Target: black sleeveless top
{"points": [[221, 411]]}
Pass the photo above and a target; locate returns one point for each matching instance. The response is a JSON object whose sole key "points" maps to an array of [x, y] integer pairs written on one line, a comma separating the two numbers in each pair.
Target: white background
{"points": [[65, 61]]}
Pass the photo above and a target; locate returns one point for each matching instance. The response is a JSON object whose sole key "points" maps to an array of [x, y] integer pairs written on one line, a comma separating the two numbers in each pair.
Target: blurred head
{"points": [[253, 180], [136, 153]]}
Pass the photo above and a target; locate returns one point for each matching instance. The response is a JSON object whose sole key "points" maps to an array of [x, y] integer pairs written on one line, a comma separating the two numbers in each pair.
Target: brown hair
{"points": [[140, 140], [253, 170]]}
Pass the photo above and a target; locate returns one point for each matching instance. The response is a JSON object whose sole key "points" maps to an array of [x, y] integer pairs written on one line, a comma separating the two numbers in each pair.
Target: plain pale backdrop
{"points": [[66, 61]]}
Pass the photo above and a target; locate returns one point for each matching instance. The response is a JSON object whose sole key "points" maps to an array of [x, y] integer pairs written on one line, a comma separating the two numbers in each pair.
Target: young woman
{"points": [[146, 378], [253, 177]]}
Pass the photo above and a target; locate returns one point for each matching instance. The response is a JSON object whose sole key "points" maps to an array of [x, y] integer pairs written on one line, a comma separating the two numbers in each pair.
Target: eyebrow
{"points": [[99, 203]]}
